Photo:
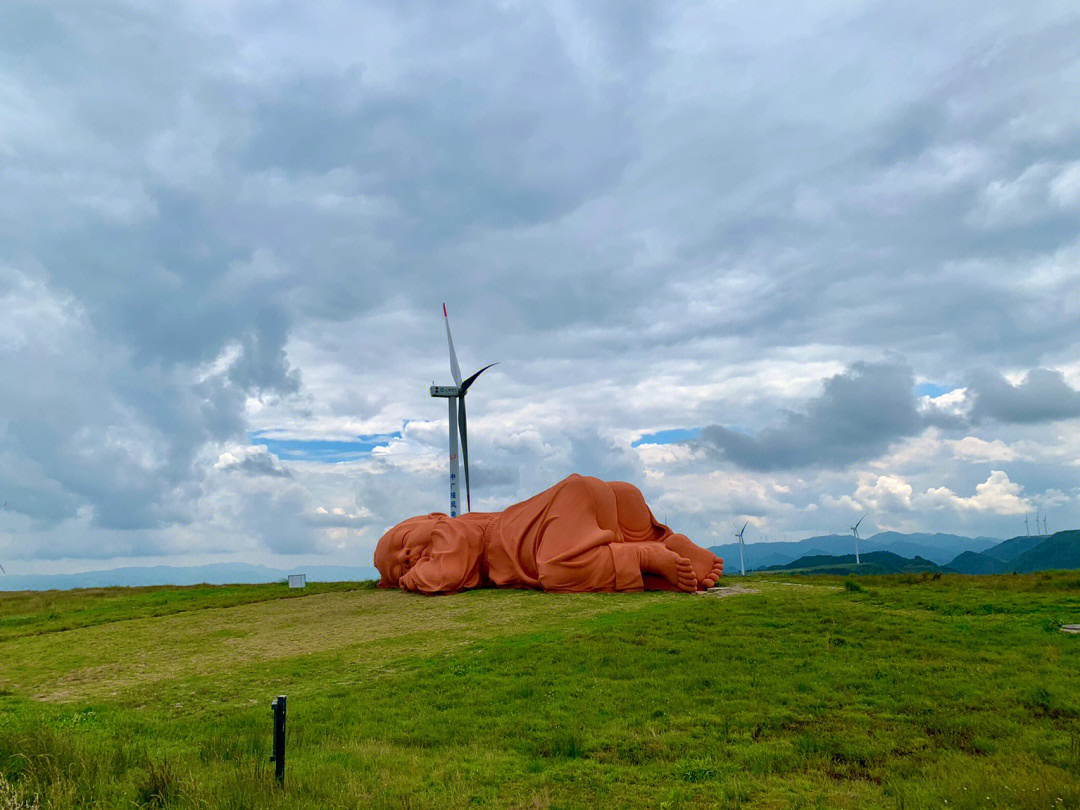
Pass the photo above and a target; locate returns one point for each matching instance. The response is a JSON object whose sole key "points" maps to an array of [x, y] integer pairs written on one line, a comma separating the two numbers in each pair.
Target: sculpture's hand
{"points": [[408, 580]]}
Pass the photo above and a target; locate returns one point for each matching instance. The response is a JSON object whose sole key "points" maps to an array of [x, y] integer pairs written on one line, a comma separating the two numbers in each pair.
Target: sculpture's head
{"points": [[403, 546]]}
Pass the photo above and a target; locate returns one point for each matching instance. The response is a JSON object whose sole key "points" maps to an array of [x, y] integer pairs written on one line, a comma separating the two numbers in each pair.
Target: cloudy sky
{"points": [[780, 262]]}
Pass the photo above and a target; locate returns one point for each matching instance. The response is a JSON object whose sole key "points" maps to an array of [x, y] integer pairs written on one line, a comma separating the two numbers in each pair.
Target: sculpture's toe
{"points": [[687, 581]]}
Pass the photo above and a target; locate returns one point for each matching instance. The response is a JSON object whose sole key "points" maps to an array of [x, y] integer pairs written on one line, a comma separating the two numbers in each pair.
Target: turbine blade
{"points": [[454, 369], [465, 385], [861, 520], [464, 449]]}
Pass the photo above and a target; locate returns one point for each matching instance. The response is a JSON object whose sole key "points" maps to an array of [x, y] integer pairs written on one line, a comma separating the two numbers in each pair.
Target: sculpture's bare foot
{"points": [[714, 575], [706, 564], [677, 570]]}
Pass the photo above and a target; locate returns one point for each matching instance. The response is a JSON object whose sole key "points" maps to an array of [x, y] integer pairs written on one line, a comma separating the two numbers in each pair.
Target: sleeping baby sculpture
{"points": [[582, 534]]}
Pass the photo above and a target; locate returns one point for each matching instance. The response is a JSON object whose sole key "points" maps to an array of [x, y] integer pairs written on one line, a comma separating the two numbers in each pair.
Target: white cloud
{"points": [[1014, 202], [997, 494], [938, 170], [884, 493], [972, 448], [1065, 188]]}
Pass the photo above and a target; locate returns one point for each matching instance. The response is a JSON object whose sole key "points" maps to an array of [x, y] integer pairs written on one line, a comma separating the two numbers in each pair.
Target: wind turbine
{"points": [[739, 534], [1046, 531], [1038, 531], [1027, 531], [455, 399], [3, 509], [855, 531]]}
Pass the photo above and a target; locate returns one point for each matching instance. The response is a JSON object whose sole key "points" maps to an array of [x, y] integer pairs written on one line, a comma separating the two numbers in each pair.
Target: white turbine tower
{"points": [[455, 399], [1046, 531], [855, 532], [1038, 531], [3, 509], [742, 562], [1027, 531]]}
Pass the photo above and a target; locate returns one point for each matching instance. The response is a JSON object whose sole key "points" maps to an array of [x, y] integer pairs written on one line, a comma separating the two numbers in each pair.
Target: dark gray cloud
{"points": [[858, 414], [1042, 396]]}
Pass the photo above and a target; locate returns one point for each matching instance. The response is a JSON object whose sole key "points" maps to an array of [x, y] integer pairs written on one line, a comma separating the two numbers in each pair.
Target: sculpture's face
{"points": [[403, 547]]}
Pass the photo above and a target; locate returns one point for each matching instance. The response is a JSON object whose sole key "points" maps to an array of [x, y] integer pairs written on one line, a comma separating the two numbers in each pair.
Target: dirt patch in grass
{"points": [[729, 590], [107, 659]]}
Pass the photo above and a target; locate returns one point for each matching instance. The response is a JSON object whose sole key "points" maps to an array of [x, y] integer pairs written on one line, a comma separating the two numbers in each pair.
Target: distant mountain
{"points": [[1024, 554], [214, 574], [1058, 551], [874, 562], [937, 548], [971, 562], [1009, 550]]}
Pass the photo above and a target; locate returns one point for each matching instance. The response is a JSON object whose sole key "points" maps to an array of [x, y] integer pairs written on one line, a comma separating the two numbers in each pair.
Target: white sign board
{"points": [[297, 580]]}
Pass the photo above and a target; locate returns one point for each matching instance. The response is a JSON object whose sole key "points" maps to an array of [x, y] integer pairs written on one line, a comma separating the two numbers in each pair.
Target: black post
{"points": [[278, 757]]}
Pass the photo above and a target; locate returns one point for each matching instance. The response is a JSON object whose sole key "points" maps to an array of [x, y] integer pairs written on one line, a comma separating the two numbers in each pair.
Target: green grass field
{"points": [[905, 692]]}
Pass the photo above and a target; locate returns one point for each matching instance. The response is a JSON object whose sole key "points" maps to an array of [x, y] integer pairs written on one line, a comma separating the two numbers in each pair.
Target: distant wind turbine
{"points": [[1038, 531], [855, 532], [455, 398], [1027, 531], [1046, 531], [742, 562]]}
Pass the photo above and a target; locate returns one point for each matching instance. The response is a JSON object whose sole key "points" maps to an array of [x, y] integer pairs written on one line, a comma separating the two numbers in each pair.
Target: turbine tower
{"points": [[1046, 531], [455, 401], [1027, 531], [1038, 531], [855, 532], [742, 563], [3, 509]]}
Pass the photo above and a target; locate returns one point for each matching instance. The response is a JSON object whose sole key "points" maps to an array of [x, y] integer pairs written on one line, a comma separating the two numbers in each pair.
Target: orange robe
{"points": [[582, 534]]}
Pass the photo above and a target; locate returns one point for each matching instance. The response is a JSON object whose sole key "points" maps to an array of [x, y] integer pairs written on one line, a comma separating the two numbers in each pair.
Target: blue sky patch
{"points": [[668, 436], [329, 451], [929, 389]]}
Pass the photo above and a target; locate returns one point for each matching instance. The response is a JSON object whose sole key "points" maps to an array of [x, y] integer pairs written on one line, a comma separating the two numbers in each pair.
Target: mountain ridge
{"points": [[1024, 554], [209, 574], [939, 548]]}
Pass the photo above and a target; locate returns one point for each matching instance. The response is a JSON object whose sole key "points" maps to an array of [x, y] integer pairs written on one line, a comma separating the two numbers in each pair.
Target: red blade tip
{"points": [[444, 311]]}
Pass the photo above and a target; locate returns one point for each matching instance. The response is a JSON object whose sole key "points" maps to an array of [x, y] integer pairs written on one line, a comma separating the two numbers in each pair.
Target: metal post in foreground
{"points": [[278, 757]]}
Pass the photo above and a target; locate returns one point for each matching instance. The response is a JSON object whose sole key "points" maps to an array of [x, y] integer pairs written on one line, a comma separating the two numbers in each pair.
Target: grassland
{"points": [[905, 692]]}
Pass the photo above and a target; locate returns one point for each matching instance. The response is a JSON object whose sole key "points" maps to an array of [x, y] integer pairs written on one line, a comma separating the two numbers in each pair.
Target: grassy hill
{"points": [[874, 562], [1024, 554], [971, 563], [901, 692]]}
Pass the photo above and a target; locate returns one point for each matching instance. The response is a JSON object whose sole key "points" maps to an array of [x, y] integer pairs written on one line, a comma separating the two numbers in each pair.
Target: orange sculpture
{"points": [[583, 534]]}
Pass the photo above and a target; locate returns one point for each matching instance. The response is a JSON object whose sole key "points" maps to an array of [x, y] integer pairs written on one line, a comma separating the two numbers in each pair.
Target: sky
{"points": [[776, 262]]}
